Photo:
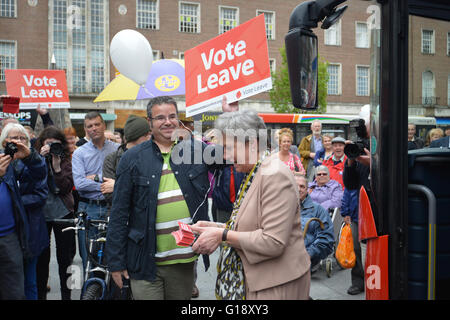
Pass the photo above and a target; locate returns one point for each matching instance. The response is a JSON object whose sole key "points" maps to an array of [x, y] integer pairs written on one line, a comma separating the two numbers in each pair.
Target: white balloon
{"points": [[132, 55]]}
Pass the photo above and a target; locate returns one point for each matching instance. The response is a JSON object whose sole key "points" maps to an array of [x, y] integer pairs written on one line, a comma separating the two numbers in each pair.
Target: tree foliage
{"points": [[280, 95]]}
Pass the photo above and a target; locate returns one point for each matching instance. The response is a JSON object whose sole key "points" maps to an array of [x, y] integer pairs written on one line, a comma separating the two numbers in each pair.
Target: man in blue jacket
{"points": [[14, 226], [318, 242], [153, 191]]}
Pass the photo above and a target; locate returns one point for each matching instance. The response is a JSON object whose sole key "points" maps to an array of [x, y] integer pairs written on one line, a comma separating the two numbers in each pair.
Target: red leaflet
{"points": [[184, 236]]}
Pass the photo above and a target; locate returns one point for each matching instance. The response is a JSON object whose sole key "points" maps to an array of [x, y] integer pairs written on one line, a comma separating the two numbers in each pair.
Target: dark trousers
{"points": [[220, 215], [11, 268], [65, 252], [357, 270]]}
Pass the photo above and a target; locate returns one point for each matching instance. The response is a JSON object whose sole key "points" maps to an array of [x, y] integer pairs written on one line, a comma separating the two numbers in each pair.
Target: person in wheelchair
{"points": [[319, 236], [325, 191]]}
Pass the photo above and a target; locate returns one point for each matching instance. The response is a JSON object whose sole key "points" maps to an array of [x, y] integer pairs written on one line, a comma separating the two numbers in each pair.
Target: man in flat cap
{"points": [[335, 163]]}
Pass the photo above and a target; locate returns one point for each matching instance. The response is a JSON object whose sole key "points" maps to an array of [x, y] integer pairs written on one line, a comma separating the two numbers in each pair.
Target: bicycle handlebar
{"points": [[98, 221], [65, 221], [81, 216], [83, 222]]}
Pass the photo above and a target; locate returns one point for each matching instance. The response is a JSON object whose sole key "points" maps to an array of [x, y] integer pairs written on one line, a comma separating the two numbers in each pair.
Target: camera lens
{"points": [[57, 149], [352, 150], [11, 149]]}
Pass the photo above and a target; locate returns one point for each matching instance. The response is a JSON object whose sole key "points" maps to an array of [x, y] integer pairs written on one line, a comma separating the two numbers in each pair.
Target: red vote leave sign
{"points": [[235, 64], [45, 87]]}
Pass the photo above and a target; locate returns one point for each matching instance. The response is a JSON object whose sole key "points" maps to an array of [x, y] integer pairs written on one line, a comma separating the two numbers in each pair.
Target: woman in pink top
{"points": [[285, 138]]}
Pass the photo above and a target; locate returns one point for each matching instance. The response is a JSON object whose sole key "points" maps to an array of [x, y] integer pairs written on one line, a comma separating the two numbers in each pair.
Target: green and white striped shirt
{"points": [[171, 208]]}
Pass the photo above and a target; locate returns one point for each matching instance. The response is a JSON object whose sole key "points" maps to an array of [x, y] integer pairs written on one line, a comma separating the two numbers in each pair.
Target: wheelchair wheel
{"points": [[93, 292]]}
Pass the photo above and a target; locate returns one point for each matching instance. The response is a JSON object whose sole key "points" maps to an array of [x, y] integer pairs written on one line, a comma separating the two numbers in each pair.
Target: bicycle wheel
{"points": [[92, 292]]}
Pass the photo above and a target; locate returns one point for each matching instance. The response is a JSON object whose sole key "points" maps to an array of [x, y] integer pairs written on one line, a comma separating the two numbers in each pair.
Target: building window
{"points": [[448, 43], [7, 57], [428, 88], [269, 19], [428, 41], [333, 34], [8, 8], [156, 55], [273, 65], [60, 31], [334, 81], [98, 45], [83, 24], [189, 17], [362, 35], [228, 18], [448, 90], [147, 14], [362, 81], [79, 45]]}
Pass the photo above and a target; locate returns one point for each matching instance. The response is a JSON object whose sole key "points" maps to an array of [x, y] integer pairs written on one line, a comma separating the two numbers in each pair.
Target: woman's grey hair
{"points": [[242, 123], [322, 168], [11, 126]]}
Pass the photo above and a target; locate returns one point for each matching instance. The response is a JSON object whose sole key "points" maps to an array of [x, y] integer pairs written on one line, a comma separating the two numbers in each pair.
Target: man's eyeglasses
{"points": [[18, 138], [172, 117], [321, 174]]}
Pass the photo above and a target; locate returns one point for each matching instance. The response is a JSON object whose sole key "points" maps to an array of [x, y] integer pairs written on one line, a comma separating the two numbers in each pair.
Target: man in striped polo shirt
{"points": [[151, 194]]}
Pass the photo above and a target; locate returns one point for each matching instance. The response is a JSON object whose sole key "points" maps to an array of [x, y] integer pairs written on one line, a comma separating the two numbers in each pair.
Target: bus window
{"points": [[334, 132], [423, 125], [300, 124]]}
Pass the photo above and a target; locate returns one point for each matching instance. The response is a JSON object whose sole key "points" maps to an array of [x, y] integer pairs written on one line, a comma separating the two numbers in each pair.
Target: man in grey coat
{"points": [[136, 131]]}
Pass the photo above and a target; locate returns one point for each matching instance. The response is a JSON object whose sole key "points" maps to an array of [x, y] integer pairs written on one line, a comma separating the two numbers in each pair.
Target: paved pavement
{"points": [[322, 287]]}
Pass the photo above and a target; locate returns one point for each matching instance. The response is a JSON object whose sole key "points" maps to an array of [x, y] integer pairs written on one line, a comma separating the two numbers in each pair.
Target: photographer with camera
{"points": [[14, 228], [29, 178], [356, 174], [53, 146]]}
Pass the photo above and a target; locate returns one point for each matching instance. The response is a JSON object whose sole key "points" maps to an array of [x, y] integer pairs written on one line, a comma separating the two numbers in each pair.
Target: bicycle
{"points": [[97, 282]]}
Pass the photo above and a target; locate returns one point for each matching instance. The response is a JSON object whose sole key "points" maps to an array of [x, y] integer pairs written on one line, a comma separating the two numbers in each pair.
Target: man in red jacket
{"points": [[335, 164]]}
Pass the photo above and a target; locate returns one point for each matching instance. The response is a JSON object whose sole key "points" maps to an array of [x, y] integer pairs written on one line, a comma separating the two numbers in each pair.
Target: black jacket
{"points": [[131, 237], [34, 170], [221, 192], [110, 166], [417, 143], [356, 176]]}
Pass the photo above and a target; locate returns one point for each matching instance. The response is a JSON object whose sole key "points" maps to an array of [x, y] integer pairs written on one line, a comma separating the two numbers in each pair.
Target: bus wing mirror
{"points": [[301, 54], [301, 48]]}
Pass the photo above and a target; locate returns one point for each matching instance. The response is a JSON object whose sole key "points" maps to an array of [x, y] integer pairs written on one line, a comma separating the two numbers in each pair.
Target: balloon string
{"points": [[147, 92]]}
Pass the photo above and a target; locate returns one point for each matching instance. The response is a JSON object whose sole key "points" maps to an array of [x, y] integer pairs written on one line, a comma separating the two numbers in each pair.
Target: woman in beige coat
{"points": [[264, 229]]}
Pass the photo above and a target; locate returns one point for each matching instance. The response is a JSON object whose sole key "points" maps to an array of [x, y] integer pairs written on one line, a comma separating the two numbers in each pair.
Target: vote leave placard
{"points": [[235, 64], [45, 87]]}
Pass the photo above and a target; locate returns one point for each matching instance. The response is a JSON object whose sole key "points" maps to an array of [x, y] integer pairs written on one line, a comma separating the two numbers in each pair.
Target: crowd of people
{"points": [[41, 179], [132, 178]]}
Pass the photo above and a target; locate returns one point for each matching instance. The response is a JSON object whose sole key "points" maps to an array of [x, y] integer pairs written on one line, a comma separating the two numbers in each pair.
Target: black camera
{"points": [[356, 149], [57, 149], [11, 149]]}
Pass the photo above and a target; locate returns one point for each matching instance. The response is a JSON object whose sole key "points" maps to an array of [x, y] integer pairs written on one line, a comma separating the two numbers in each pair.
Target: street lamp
{"points": [[62, 114], [53, 62]]}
